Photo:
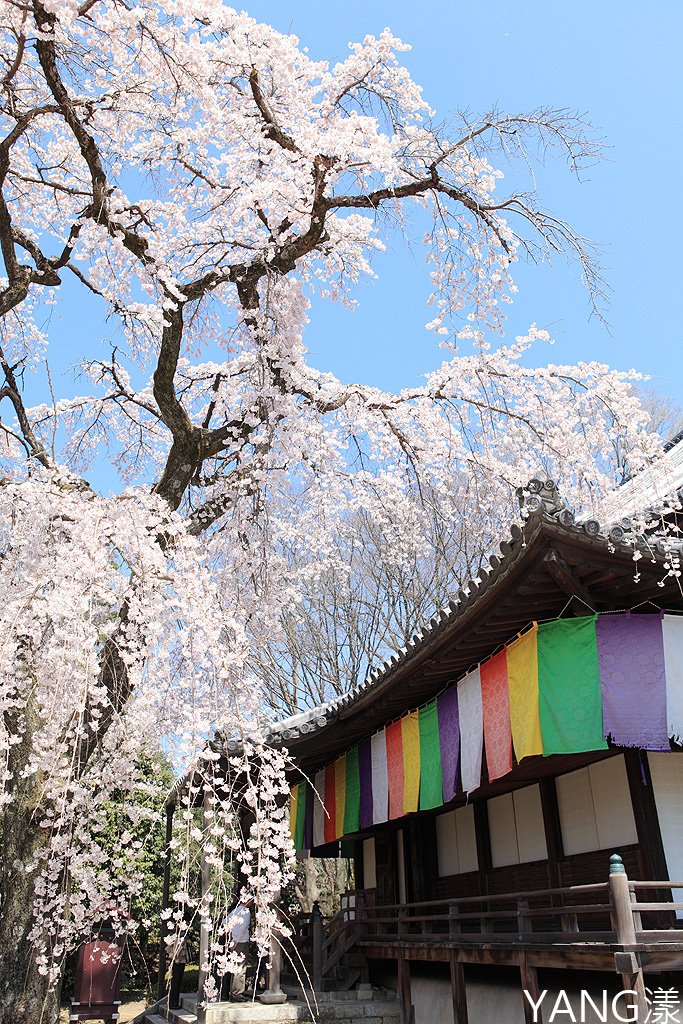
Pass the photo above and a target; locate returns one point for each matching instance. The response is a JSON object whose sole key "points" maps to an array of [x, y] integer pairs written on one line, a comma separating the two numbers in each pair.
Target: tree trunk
{"points": [[306, 886], [24, 994]]}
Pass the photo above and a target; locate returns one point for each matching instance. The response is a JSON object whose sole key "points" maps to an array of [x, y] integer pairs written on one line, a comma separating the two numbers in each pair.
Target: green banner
{"points": [[430, 758], [569, 697], [352, 804]]}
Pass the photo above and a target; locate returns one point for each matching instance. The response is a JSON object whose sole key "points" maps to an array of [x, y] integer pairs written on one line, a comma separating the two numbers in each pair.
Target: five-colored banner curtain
{"points": [[352, 807], [300, 817], [410, 735], [365, 772], [330, 800], [339, 795], [293, 805], [431, 794], [449, 741], [570, 703], [394, 740], [495, 699], [522, 659], [380, 779], [471, 730], [308, 821], [562, 687], [319, 809], [632, 680], [672, 634]]}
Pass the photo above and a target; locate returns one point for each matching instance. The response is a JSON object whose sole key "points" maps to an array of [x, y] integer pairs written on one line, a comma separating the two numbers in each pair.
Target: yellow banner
{"points": [[522, 662], [410, 732], [293, 800], [340, 793]]}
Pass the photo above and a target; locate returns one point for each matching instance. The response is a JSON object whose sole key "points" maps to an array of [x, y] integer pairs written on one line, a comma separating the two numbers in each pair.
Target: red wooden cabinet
{"points": [[98, 976]]}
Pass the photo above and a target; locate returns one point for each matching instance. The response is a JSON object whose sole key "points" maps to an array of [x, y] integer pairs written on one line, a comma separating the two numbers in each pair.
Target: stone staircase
{"points": [[363, 1005]]}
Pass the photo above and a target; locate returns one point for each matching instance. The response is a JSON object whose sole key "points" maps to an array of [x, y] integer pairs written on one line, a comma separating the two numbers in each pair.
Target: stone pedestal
{"points": [[273, 998]]}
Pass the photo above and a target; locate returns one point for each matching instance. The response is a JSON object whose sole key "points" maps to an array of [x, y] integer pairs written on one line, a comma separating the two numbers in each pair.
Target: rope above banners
{"points": [[567, 686]]}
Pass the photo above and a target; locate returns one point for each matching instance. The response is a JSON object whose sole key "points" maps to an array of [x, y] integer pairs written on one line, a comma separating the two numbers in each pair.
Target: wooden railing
{"points": [[600, 914], [549, 915]]}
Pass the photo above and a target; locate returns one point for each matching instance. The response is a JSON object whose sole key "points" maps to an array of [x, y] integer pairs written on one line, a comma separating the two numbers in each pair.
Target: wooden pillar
{"points": [[553, 831], [528, 974], [626, 962], [165, 900], [553, 840], [318, 938], [205, 909], [645, 813], [358, 869], [413, 862], [529, 977], [423, 859], [458, 990], [386, 868], [404, 994], [650, 843], [481, 825]]}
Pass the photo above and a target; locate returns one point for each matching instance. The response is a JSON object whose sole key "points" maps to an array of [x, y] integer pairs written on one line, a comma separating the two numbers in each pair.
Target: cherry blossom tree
{"points": [[371, 596], [199, 175]]}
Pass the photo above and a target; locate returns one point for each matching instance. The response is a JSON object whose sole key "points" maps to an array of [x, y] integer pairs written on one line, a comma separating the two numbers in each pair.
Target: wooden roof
{"points": [[551, 566]]}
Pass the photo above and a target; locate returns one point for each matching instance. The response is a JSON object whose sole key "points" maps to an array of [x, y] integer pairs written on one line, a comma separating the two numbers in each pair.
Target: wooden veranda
{"points": [[619, 926]]}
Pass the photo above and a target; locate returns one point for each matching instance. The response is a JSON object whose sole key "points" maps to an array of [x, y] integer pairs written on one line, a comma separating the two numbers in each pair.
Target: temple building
{"points": [[510, 786]]}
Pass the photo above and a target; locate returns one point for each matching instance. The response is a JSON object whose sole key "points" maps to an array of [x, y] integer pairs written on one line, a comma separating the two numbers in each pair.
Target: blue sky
{"points": [[618, 63]]}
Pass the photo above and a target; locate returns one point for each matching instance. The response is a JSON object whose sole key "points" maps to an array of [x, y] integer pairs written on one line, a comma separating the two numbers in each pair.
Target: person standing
{"points": [[237, 926], [181, 957]]}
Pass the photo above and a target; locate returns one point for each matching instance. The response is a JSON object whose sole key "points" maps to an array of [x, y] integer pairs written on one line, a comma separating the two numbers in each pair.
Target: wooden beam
{"points": [[562, 575], [556, 957]]}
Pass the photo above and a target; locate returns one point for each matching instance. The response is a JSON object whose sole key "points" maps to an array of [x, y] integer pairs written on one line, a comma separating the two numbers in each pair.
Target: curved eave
{"points": [[467, 630]]}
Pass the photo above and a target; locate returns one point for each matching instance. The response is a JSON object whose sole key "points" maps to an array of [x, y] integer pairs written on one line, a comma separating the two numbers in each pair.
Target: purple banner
{"points": [[449, 741], [632, 680], [365, 772]]}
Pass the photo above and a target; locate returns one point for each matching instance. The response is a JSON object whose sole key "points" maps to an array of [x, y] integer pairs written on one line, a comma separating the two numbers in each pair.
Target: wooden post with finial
{"points": [[626, 961]]}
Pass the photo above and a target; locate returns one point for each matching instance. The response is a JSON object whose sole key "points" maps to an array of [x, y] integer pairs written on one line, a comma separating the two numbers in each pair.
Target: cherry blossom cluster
{"points": [[198, 175], [71, 561]]}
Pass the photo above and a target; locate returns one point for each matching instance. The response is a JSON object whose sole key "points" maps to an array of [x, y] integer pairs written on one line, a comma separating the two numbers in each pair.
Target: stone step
{"points": [[184, 1016], [364, 993], [239, 1013], [388, 1011], [256, 1013], [366, 1006], [358, 1014]]}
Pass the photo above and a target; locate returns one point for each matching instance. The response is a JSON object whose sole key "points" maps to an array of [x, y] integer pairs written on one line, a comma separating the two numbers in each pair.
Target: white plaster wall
{"points": [[501, 1002]]}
